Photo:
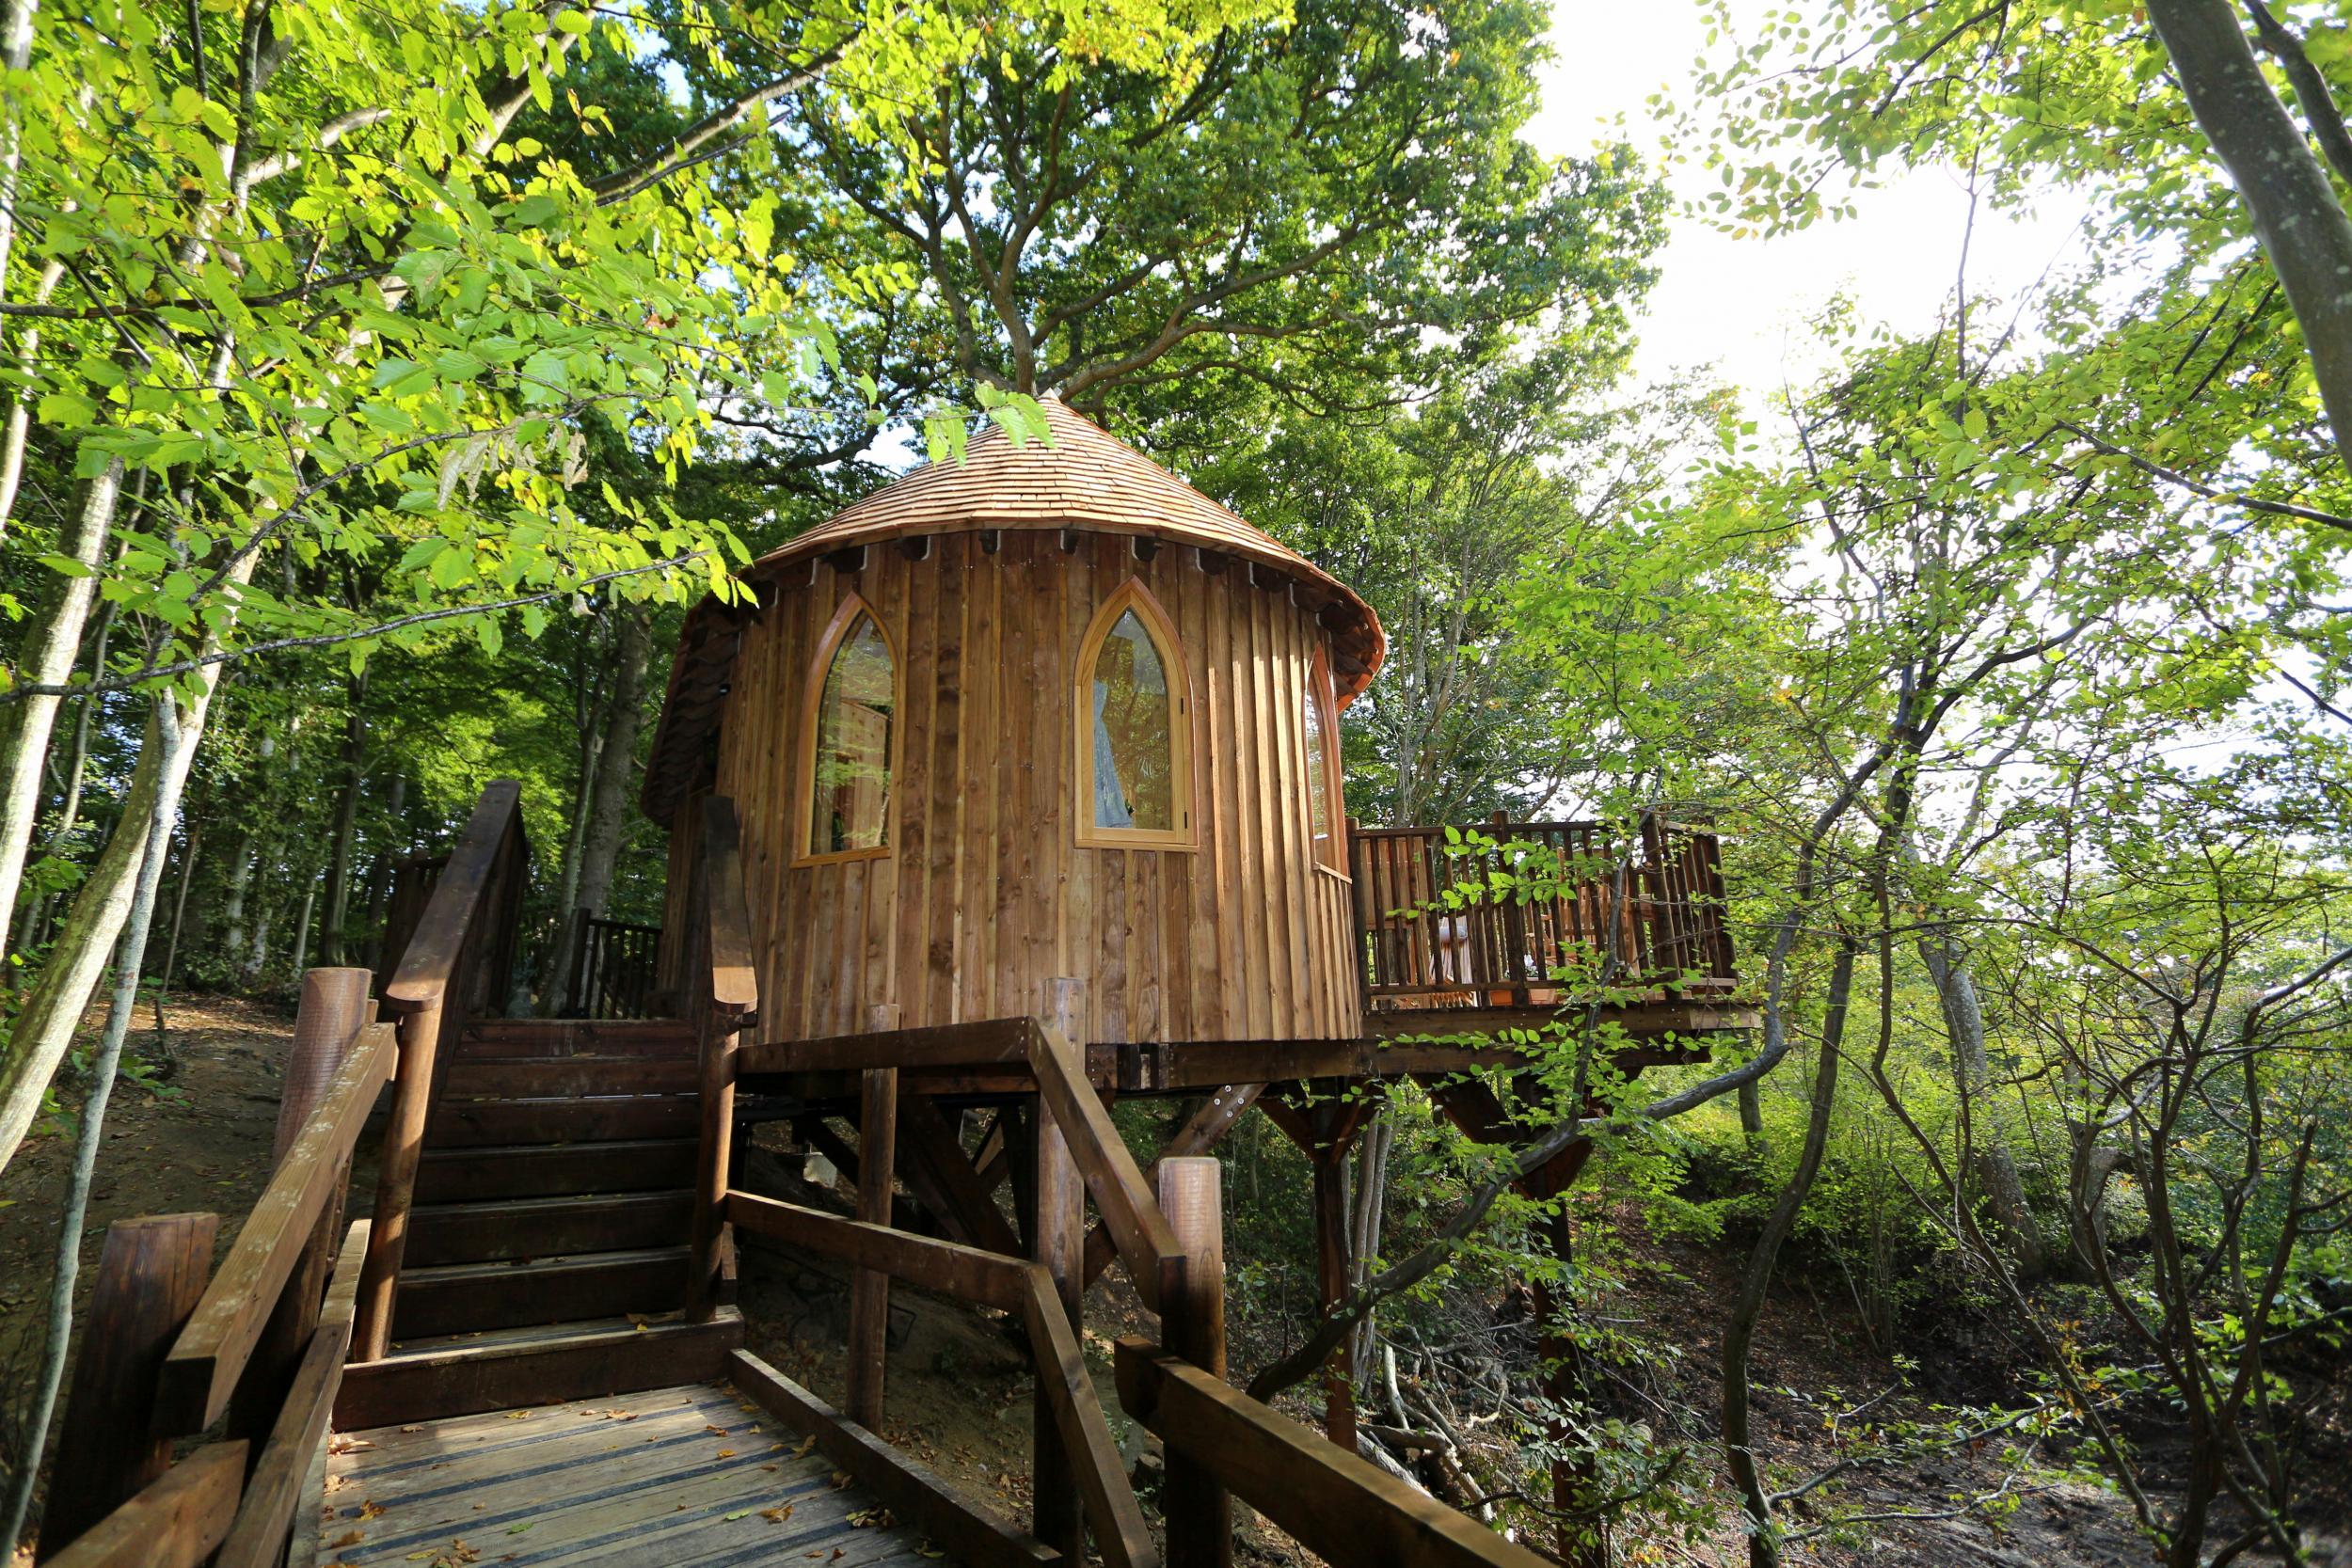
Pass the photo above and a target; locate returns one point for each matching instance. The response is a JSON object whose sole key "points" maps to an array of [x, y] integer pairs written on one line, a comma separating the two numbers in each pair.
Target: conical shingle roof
{"points": [[1085, 479]]}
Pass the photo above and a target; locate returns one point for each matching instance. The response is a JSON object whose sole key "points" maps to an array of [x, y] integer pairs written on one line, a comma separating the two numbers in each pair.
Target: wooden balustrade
{"points": [[460, 954], [186, 1350], [614, 970], [1508, 932], [1009, 1284]]}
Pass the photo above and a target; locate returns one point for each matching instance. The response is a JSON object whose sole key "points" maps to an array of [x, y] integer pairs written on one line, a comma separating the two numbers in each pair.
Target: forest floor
{"points": [[959, 1389]]}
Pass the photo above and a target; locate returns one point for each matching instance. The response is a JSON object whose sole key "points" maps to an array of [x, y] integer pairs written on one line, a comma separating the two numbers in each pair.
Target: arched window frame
{"points": [[1333, 854], [1133, 594], [804, 792]]}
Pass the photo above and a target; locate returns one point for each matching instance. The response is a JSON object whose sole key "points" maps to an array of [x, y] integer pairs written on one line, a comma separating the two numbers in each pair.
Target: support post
{"points": [[1557, 1353], [335, 1007], [1199, 1512], [869, 1289], [396, 1181], [1058, 1239], [150, 1277], [1339, 1372]]}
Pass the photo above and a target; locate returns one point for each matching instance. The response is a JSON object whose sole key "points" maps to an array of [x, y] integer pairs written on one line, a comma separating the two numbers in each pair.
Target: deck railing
{"points": [[1494, 913], [613, 969]]}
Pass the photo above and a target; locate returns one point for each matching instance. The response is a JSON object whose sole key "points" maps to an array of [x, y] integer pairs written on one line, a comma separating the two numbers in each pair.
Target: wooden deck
{"points": [[688, 1476]]}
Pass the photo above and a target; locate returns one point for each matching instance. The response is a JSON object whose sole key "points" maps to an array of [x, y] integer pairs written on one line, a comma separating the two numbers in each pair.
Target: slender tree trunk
{"points": [[347, 824], [1748, 1308], [29, 1056], [1991, 1159], [302, 930], [258, 959], [193, 844], [2285, 187], [380, 880], [153, 834], [1371, 1195], [588, 710], [601, 849], [46, 659]]}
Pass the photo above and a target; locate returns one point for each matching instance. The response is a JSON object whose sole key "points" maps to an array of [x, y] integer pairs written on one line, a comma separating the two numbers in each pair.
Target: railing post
{"points": [[335, 1007], [869, 1289], [1199, 1512], [719, 1038], [150, 1277], [396, 1180]]}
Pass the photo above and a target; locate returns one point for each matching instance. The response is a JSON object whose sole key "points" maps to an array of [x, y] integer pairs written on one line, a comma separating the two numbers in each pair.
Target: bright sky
{"points": [[1740, 305]]}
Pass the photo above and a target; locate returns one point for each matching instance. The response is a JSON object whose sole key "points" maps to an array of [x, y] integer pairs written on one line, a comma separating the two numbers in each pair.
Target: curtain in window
{"points": [[1135, 732]]}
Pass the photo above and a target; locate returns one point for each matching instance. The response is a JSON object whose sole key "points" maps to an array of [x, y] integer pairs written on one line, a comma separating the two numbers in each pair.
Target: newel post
{"points": [[877, 1167], [396, 1179], [723, 992], [1199, 1511]]}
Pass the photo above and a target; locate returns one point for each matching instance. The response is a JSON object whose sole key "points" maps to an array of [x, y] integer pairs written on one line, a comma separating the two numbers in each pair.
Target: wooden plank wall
{"points": [[985, 895]]}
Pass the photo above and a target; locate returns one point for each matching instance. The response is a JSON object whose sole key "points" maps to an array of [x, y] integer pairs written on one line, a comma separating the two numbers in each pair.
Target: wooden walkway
{"points": [[675, 1476]]}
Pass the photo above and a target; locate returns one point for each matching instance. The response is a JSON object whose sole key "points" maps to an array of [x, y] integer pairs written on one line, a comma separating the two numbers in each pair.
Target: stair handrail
{"points": [[491, 859], [723, 1006]]}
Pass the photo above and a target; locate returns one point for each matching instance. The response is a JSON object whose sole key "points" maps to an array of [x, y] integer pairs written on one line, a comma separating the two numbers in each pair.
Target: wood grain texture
{"points": [[986, 893], [150, 1277], [680, 1475], [174, 1522]]}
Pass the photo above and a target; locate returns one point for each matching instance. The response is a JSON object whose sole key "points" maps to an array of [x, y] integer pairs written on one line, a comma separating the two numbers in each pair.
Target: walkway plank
{"points": [[693, 1477]]}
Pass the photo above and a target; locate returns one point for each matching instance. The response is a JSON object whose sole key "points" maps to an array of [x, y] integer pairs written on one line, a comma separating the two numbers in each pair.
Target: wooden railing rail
{"points": [[463, 944], [722, 1009], [614, 970], [1336, 1505], [1013, 1285], [1154, 1257], [206, 1361], [1654, 898]]}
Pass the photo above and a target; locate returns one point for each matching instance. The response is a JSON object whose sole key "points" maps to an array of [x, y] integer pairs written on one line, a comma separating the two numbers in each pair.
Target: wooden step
{"points": [[548, 1170], [507, 1369], [472, 1123], [554, 1077], [561, 1036], [508, 1229], [458, 1298]]}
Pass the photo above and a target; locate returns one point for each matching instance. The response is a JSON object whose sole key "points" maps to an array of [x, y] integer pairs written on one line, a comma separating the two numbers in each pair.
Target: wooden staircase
{"points": [[548, 1246]]}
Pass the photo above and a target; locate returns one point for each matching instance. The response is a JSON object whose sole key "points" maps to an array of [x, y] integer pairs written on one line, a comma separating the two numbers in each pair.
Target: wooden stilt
{"points": [[1199, 1510], [1057, 1239], [1339, 1372], [869, 1289], [1582, 1542]]}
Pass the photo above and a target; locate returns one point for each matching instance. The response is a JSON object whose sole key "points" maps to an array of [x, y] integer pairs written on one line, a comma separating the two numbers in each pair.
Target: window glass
{"points": [[851, 803], [1319, 789], [1135, 732]]}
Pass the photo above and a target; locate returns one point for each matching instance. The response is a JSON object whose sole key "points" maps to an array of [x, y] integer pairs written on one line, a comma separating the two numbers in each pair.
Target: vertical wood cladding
{"points": [[985, 895]]}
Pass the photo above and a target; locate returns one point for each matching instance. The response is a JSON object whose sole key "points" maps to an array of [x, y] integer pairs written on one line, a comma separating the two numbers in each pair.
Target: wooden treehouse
{"points": [[1017, 790]]}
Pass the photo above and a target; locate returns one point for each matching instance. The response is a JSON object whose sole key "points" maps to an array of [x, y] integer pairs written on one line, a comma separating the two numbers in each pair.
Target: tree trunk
{"points": [[590, 710], [191, 845], [151, 834], [380, 882], [302, 930], [2301, 224], [54, 1005], [346, 826], [1994, 1161], [1739, 1328], [46, 659], [616, 761]]}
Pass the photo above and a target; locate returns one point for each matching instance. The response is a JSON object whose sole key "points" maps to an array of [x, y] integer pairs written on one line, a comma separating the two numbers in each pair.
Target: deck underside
{"points": [[686, 1475]]}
